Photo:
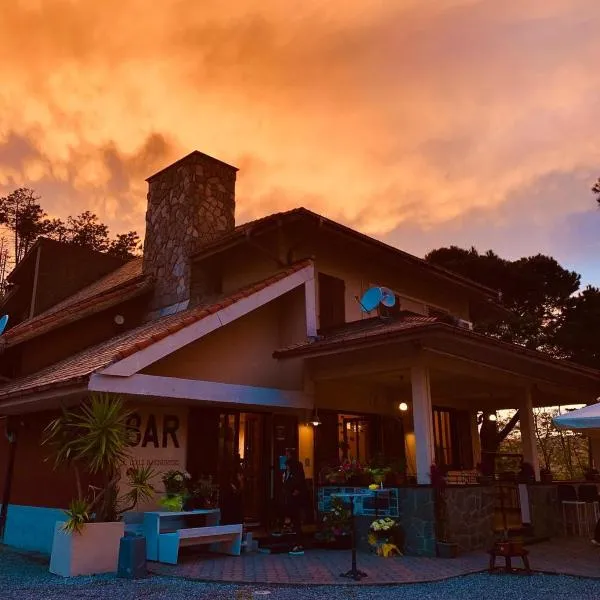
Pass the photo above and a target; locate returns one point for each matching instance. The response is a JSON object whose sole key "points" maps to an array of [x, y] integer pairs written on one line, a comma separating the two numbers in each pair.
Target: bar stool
{"points": [[573, 510]]}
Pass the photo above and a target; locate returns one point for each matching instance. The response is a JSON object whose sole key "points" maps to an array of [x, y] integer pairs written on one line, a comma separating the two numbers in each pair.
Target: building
{"points": [[225, 339]]}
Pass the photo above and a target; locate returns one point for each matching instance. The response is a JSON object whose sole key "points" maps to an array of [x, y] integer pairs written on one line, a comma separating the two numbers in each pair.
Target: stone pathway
{"points": [[571, 556]]}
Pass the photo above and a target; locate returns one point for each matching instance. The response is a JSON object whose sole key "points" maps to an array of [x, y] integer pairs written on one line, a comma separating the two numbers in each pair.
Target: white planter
{"points": [[94, 550]]}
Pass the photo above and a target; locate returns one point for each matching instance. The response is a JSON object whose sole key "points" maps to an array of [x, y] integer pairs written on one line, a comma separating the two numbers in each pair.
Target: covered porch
{"points": [[417, 394]]}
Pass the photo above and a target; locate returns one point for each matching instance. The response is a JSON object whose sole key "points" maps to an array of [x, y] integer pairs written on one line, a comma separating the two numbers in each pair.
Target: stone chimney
{"points": [[190, 203]]}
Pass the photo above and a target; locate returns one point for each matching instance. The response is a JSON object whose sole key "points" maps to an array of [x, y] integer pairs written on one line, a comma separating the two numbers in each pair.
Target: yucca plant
{"points": [[95, 438]]}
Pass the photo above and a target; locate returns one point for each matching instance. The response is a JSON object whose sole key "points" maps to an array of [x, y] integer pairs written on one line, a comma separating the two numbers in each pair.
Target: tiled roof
{"points": [[240, 232], [79, 366], [122, 284], [356, 332]]}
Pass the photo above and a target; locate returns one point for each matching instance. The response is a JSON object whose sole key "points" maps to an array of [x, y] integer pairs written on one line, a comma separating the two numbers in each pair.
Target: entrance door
{"points": [[241, 440]]}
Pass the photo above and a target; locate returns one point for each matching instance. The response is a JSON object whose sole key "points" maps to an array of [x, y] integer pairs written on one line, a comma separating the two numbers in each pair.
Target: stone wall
{"points": [[417, 518], [546, 517], [471, 516], [190, 203]]}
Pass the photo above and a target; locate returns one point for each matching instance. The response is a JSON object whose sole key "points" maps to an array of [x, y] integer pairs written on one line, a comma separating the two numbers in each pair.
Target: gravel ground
{"points": [[25, 577]]}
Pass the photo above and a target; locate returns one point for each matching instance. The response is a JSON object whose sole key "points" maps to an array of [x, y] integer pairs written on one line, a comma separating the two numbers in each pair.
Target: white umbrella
{"points": [[587, 417]]}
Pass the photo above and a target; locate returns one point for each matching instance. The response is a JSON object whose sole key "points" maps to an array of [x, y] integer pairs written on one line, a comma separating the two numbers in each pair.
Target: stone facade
{"points": [[190, 203], [546, 517], [470, 512], [417, 517]]}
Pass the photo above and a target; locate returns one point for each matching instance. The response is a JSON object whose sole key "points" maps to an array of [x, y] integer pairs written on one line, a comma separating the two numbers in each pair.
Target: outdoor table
{"points": [[353, 573], [153, 519]]}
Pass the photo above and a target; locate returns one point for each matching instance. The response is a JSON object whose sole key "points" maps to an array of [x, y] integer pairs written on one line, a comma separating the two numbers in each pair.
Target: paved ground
{"points": [[26, 577], [571, 556]]}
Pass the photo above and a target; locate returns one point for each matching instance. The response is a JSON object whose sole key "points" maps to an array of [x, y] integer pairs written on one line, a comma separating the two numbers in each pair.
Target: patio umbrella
{"points": [[586, 418]]}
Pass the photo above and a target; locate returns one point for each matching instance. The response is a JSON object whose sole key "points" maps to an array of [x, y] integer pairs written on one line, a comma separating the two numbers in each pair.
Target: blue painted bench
{"points": [[225, 539]]}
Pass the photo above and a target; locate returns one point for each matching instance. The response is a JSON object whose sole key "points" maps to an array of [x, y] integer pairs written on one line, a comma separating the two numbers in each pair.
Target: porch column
{"points": [[423, 422], [528, 444], [475, 437]]}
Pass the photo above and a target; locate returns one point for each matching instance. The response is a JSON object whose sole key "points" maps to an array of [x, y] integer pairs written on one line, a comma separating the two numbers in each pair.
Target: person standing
{"points": [[295, 494]]}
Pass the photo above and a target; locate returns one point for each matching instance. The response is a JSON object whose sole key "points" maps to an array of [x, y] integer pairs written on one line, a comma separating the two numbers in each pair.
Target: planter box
{"points": [[447, 550], [94, 550]]}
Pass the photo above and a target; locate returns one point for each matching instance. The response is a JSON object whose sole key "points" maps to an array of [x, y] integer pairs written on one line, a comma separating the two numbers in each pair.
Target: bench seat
{"points": [[226, 539]]}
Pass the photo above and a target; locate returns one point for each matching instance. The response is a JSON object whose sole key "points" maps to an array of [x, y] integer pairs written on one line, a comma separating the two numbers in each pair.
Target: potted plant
{"points": [[177, 494], [546, 475], [335, 527], [94, 438], [485, 475], [445, 548], [202, 494], [384, 537]]}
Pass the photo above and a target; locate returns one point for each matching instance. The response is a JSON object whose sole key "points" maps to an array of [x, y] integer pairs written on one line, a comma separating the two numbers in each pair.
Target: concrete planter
{"points": [[94, 550]]}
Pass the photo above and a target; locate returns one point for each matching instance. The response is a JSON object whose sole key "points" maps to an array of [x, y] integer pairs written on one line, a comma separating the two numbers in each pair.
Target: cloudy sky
{"points": [[421, 122]]}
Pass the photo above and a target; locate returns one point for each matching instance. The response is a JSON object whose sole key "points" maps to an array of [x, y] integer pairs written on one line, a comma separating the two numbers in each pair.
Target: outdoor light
{"points": [[314, 420], [403, 406], [492, 417]]}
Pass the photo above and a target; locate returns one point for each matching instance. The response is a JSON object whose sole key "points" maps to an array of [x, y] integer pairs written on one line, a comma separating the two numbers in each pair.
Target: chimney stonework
{"points": [[190, 203]]}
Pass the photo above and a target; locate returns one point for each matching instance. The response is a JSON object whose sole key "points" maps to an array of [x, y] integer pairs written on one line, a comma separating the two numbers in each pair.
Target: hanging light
{"points": [[492, 417], [314, 420], [403, 406]]}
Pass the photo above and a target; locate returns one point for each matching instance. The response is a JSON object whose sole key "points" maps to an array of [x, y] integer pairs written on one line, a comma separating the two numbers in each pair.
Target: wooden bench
{"points": [[226, 539]]}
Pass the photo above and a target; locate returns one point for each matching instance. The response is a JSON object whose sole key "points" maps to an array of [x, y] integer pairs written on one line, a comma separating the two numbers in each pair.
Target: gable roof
{"points": [[120, 285], [269, 222], [79, 367]]}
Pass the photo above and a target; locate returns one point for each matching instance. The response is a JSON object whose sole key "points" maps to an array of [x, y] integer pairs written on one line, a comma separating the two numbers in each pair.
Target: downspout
{"points": [[35, 281], [11, 435]]}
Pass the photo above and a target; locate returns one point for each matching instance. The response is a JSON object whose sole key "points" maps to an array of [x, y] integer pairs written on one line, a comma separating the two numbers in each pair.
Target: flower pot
{"points": [[447, 550], [94, 550]]}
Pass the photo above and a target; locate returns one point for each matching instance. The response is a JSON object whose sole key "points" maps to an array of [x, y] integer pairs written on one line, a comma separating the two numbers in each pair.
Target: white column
{"points": [[475, 437], [423, 422], [528, 444]]}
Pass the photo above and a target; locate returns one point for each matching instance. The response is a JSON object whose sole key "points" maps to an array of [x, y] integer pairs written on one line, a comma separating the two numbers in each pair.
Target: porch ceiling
{"points": [[468, 372]]}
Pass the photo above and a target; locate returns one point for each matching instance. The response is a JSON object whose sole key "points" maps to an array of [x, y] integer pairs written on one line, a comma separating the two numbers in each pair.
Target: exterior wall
{"points": [[471, 516], [347, 261], [190, 203], [352, 396], [66, 341], [242, 351], [35, 482], [417, 517]]}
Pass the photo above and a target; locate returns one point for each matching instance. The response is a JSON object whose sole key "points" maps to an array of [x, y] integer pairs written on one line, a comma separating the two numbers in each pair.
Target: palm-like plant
{"points": [[95, 438]]}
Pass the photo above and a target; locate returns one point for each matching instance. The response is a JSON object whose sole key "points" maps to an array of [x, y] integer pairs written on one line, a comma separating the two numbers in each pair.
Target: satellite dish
{"points": [[371, 299], [3, 323], [388, 298]]}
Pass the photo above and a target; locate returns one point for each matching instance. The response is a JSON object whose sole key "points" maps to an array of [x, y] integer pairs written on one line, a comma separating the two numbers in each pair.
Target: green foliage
{"points": [[96, 434], [95, 438], [78, 514], [172, 502]]}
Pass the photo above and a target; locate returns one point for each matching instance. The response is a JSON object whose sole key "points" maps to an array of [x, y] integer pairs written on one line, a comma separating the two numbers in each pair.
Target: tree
{"points": [[25, 218], [491, 435], [125, 245], [535, 289], [596, 190], [577, 336], [86, 230]]}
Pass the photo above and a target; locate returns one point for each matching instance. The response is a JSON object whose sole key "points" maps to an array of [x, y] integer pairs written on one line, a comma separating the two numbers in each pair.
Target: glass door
{"points": [[241, 443]]}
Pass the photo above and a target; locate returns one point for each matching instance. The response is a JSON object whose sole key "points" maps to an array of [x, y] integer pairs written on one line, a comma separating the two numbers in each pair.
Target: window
{"points": [[332, 304], [445, 438]]}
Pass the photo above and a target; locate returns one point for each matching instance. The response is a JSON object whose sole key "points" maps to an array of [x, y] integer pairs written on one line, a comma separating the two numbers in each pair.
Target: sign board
{"points": [[159, 439]]}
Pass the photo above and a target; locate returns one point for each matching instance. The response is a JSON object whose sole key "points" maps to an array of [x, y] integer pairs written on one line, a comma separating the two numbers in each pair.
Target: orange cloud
{"points": [[378, 113]]}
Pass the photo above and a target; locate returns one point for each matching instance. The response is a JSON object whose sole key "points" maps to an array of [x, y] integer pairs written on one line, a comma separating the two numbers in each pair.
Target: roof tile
{"points": [[80, 366]]}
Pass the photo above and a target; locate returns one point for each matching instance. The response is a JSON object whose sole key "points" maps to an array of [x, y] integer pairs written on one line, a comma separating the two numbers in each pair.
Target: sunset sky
{"points": [[421, 122]]}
